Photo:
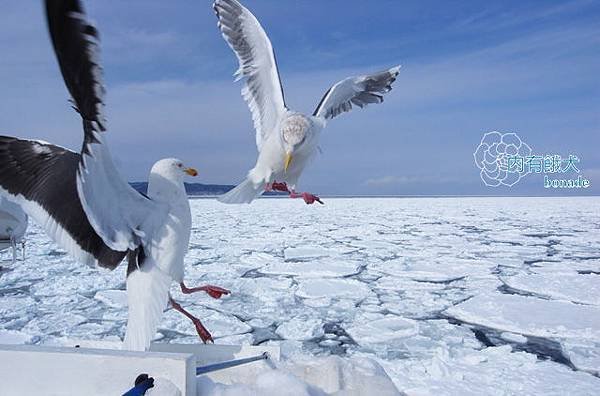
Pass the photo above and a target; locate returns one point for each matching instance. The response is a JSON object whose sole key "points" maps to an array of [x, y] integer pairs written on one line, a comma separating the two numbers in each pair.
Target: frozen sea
{"points": [[496, 296]]}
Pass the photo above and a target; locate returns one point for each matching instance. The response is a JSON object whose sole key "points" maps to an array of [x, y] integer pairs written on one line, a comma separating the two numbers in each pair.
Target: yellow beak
{"points": [[191, 171], [288, 160]]}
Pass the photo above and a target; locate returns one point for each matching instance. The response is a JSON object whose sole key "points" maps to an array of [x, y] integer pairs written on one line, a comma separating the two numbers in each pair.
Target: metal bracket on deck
{"points": [[230, 363]]}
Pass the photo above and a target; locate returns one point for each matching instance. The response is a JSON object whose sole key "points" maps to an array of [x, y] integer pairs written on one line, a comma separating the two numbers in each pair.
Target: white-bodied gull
{"points": [[286, 139], [85, 205]]}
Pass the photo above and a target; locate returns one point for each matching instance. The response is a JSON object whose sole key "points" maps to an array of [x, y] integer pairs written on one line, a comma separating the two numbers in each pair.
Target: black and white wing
{"points": [[358, 91], [122, 217], [262, 91], [40, 177]]}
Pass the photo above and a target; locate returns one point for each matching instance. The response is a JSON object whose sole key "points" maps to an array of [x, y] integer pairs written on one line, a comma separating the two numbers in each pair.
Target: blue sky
{"points": [[468, 67]]}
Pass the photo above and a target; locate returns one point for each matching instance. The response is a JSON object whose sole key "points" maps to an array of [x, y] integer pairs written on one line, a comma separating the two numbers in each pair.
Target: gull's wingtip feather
{"points": [[395, 70]]}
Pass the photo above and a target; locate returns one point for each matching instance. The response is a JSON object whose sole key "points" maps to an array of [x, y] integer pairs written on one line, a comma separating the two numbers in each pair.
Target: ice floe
{"points": [[575, 287], [300, 328], [530, 316], [333, 288], [330, 268], [384, 330]]}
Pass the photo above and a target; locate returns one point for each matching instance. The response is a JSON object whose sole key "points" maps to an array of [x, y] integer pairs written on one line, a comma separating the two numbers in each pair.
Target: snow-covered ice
{"points": [[448, 295], [571, 286], [529, 315]]}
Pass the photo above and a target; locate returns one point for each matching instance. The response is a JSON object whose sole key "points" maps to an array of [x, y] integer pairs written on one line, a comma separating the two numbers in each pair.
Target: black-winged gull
{"points": [[85, 205]]}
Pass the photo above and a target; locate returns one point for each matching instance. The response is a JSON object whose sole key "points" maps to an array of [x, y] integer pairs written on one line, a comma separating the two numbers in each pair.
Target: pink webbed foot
{"points": [[275, 186], [216, 291], [307, 197], [213, 291], [202, 332], [311, 199], [200, 329], [283, 187]]}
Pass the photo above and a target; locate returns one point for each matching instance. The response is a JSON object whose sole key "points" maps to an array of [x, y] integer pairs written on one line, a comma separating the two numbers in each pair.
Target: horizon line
{"points": [[329, 196]]}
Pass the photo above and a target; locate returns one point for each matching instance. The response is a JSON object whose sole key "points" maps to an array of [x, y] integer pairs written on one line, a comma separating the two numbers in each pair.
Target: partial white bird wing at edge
{"points": [[121, 216], [358, 91], [262, 91]]}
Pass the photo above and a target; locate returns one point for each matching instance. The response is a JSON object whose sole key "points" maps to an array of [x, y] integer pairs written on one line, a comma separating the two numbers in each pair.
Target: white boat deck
{"points": [[33, 370]]}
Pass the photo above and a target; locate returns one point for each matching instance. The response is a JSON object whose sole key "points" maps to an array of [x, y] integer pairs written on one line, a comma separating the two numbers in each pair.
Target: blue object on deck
{"points": [[142, 384], [231, 363]]}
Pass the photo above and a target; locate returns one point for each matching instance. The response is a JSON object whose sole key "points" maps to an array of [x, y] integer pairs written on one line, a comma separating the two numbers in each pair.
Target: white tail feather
{"points": [[245, 192], [147, 296]]}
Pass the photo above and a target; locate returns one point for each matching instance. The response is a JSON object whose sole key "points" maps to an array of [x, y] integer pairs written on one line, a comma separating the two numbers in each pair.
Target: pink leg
{"points": [[308, 197], [202, 332], [213, 291], [283, 187]]}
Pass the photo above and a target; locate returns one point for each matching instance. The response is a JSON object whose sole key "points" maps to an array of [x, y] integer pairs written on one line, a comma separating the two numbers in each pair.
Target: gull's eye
{"points": [[180, 165]]}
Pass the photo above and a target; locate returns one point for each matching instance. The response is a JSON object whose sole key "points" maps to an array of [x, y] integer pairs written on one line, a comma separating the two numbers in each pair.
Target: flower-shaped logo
{"points": [[492, 157]]}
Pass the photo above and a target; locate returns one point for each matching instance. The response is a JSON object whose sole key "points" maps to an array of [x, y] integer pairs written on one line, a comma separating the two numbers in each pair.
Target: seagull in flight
{"points": [[84, 204], [286, 139]]}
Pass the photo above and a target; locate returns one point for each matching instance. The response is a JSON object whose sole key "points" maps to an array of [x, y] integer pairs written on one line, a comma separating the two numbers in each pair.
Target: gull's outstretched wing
{"points": [[358, 91], [41, 177], [262, 91], [121, 216]]}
